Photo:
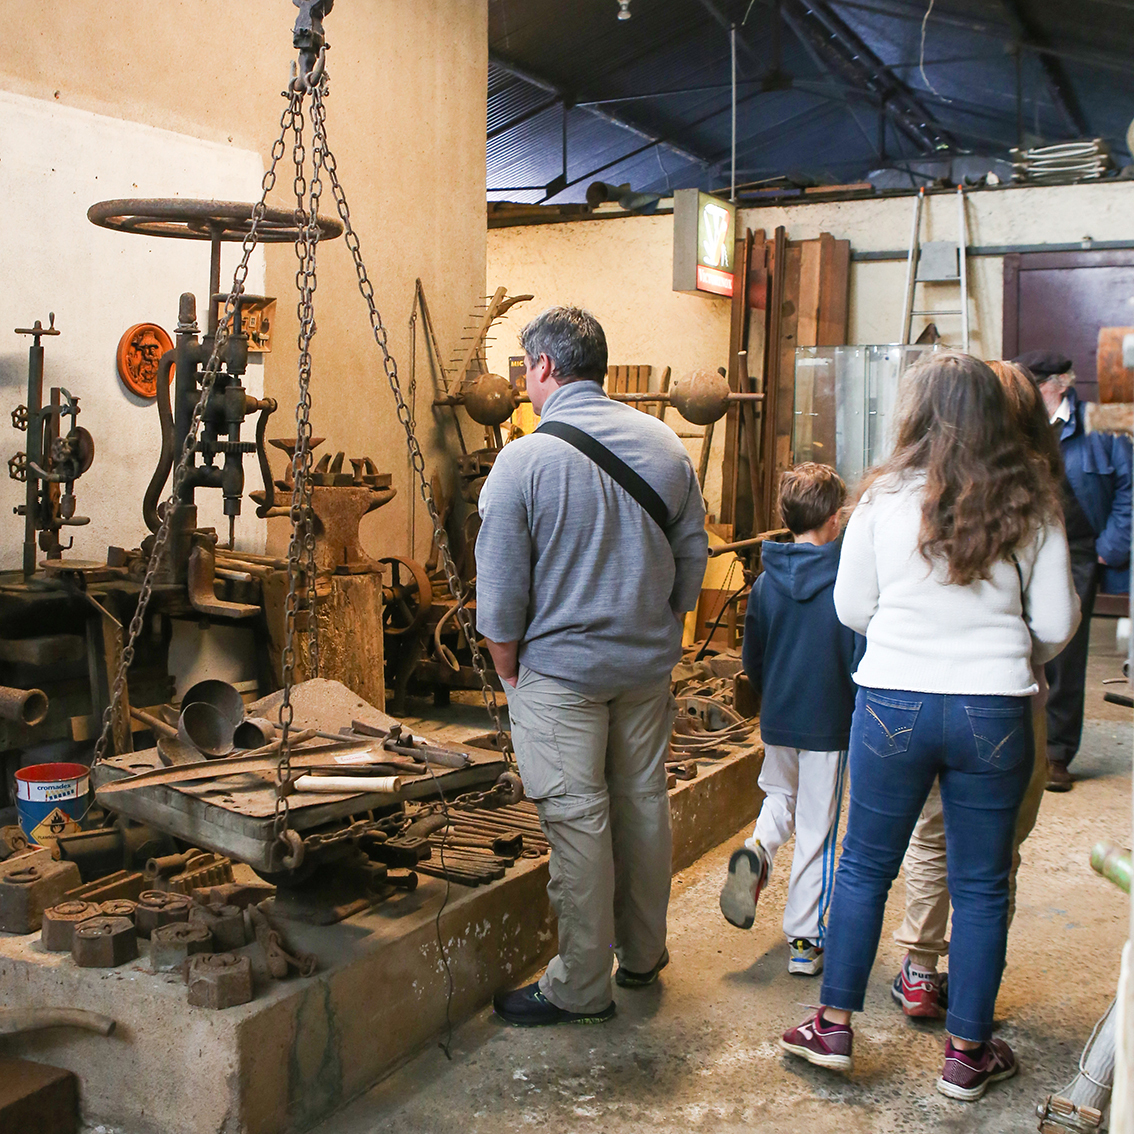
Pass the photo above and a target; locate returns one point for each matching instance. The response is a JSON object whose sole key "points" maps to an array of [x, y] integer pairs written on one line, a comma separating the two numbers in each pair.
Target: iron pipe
{"points": [[27, 706], [165, 460], [16, 1020]]}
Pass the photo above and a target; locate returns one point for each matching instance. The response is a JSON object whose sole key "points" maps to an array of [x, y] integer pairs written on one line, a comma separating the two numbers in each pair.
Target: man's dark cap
{"points": [[1044, 364]]}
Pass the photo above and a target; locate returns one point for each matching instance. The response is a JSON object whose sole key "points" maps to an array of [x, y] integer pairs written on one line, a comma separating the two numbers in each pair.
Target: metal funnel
{"points": [[206, 728], [222, 696]]}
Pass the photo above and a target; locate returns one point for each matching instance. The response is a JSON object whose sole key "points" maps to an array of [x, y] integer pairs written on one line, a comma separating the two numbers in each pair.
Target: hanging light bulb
{"points": [[624, 9]]}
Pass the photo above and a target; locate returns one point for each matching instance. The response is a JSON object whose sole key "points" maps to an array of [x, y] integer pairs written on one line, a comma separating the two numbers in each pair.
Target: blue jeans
{"points": [[981, 749]]}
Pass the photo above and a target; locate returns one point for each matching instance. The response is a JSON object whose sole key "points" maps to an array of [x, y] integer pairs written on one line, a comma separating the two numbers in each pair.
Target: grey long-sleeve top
{"points": [[571, 566]]}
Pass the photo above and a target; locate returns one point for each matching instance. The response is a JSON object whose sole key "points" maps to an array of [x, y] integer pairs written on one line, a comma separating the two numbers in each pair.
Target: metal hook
{"points": [[311, 80]]}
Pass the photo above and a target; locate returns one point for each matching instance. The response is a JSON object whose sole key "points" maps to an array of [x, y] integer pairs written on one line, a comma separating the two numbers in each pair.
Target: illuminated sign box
{"points": [[704, 242]]}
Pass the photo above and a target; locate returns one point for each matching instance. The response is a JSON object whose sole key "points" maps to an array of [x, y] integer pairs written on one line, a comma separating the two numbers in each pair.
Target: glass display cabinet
{"points": [[845, 398]]}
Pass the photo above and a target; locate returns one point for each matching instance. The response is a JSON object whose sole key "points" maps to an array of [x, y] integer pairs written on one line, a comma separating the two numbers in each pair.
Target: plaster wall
{"points": [[1025, 215], [55, 161], [622, 270], [405, 119]]}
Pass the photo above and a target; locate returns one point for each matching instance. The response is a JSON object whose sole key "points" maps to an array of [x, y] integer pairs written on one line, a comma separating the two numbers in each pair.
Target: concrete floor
{"points": [[698, 1052]]}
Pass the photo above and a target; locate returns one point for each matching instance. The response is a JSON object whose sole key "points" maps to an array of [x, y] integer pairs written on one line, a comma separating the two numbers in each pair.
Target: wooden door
{"points": [[1059, 300]]}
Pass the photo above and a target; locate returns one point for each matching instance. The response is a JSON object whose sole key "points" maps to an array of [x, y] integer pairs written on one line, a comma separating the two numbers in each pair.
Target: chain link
{"points": [[161, 537], [303, 528], [417, 459], [498, 795]]}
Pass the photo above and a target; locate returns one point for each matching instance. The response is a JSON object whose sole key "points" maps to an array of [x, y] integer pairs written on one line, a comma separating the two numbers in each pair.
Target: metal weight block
{"points": [[59, 923], [157, 908], [30, 884], [104, 942], [172, 945], [226, 924], [119, 907], [219, 980]]}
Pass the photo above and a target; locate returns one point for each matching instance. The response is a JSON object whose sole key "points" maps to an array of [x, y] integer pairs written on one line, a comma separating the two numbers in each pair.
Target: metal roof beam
{"points": [[841, 53], [725, 22], [1072, 54], [1029, 32], [524, 116], [615, 119]]}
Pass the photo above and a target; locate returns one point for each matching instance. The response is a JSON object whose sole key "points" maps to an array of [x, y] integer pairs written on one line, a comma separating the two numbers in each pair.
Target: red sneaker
{"points": [[918, 996], [821, 1042], [966, 1074]]}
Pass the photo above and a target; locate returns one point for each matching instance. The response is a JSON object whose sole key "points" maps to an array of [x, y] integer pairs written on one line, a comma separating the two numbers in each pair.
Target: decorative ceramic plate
{"points": [[139, 352]]}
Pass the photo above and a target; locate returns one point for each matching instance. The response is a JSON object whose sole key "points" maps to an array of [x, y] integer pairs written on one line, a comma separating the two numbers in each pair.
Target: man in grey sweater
{"points": [[581, 594]]}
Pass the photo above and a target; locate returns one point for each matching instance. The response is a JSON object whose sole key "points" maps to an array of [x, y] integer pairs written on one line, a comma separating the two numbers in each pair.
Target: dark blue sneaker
{"points": [[627, 979], [528, 1008]]}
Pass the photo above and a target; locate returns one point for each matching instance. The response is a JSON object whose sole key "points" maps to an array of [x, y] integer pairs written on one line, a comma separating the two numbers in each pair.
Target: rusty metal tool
{"points": [[260, 762], [423, 753], [279, 957], [503, 846], [685, 770], [156, 726]]}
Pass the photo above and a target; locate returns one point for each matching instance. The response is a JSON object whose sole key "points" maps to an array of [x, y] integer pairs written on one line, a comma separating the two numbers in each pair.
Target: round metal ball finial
{"points": [[490, 400], [700, 397]]}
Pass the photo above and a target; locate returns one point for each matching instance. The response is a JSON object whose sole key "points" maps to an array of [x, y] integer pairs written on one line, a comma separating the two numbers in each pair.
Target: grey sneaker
{"points": [[806, 958], [747, 873], [966, 1074], [821, 1042]]}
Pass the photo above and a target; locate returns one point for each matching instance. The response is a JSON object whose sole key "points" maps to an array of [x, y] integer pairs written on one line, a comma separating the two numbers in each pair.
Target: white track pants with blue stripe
{"points": [[803, 793]]}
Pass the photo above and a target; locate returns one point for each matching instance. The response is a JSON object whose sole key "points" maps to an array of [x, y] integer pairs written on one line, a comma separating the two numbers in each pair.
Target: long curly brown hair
{"points": [[986, 491], [1030, 414]]}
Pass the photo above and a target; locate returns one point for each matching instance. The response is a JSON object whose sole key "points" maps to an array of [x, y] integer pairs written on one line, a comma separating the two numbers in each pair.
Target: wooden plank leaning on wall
{"points": [[787, 294]]}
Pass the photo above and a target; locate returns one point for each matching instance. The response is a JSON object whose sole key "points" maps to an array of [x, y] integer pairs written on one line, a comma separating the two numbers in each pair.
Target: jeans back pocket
{"points": [[888, 724], [999, 733]]}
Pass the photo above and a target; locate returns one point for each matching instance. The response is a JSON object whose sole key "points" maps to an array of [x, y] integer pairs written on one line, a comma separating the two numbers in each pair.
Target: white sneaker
{"points": [[806, 958], [747, 873]]}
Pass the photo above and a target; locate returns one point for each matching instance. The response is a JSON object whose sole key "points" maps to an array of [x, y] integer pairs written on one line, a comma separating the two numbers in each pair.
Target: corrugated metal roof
{"points": [[649, 102]]}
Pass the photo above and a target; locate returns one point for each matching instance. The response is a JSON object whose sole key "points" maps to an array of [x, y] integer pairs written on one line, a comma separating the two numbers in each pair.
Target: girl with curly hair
{"points": [[918, 988], [955, 568]]}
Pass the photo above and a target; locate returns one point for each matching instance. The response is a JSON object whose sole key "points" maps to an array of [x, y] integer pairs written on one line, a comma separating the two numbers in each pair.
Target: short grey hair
{"points": [[574, 341]]}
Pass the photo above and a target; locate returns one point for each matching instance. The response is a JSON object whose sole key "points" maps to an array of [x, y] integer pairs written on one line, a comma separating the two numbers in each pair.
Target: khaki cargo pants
{"points": [[595, 769]]}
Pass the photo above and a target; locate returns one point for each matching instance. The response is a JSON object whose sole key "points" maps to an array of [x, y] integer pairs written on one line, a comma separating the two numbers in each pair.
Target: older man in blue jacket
{"points": [[1097, 507]]}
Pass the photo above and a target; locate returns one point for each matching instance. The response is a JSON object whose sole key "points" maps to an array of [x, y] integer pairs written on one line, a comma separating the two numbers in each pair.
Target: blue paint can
{"points": [[52, 800]]}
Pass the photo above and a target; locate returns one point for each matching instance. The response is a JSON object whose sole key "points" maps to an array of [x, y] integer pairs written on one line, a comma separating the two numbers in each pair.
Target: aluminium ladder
{"points": [[916, 274]]}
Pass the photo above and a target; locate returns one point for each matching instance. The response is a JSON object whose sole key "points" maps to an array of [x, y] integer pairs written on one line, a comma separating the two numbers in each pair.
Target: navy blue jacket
{"points": [[1098, 467], [797, 652]]}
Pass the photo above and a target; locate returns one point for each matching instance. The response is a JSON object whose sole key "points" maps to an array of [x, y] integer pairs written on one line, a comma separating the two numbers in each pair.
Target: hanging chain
{"points": [[161, 537], [307, 282], [390, 366], [302, 525]]}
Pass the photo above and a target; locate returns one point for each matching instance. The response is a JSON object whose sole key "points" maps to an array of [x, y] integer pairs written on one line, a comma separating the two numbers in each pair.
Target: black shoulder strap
{"points": [[614, 467]]}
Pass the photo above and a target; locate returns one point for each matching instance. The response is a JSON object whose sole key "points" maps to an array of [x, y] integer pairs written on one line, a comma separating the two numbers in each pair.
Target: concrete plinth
{"points": [[305, 1046]]}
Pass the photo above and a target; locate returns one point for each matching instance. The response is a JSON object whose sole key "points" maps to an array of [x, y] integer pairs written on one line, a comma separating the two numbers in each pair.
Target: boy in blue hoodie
{"points": [[801, 657]]}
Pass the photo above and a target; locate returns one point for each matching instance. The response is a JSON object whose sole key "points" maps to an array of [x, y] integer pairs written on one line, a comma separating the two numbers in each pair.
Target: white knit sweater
{"points": [[929, 636]]}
